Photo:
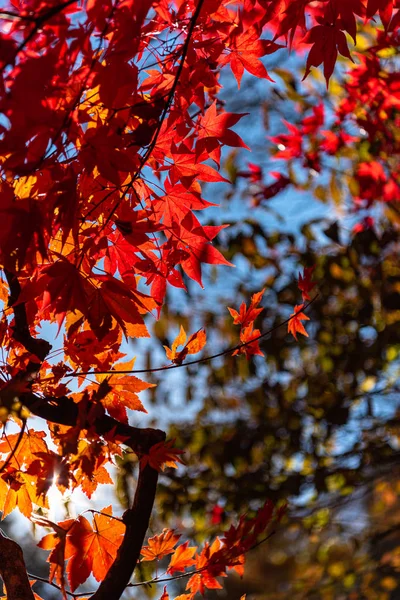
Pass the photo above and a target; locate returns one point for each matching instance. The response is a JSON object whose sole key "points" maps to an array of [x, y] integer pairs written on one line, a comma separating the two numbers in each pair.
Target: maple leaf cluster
{"points": [[249, 337], [213, 560], [305, 285], [362, 127], [110, 126]]}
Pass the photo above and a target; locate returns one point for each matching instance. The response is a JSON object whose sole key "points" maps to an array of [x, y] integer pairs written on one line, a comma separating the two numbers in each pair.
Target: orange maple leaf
{"points": [[162, 455], [160, 545], [246, 315], [247, 334], [295, 324], [181, 558], [206, 577], [88, 549], [195, 343], [123, 392]]}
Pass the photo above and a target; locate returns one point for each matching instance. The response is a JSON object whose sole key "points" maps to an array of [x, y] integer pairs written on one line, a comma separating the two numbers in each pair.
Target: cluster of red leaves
{"points": [[366, 120], [305, 285], [245, 318], [260, 191], [213, 560], [110, 123]]}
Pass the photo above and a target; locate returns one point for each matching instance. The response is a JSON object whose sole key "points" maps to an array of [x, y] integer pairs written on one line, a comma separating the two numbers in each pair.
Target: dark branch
{"points": [[64, 411], [13, 570], [136, 520], [21, 331]]}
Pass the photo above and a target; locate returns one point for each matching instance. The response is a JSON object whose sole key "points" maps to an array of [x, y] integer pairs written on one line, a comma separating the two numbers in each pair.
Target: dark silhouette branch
{"points": [[136, 520], [13, 570], [14, 450], [21, 332]]}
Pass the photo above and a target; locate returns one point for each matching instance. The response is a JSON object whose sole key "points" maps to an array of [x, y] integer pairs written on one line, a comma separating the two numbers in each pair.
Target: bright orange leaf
{"points": [[295, 324], [159, 546], [162, 455], [89, 549], [182, 558], [195, 343]]}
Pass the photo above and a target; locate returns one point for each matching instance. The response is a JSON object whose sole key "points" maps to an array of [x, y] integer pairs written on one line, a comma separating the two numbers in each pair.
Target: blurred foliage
{"points": [[315, 422]]}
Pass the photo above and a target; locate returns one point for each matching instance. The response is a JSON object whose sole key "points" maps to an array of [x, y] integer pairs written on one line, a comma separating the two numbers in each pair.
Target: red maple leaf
{"points": [[246, 315], [305, 284], [295, 324], [245, 49], [214, 131], [251, 348], [385, 8], [327, 40]]}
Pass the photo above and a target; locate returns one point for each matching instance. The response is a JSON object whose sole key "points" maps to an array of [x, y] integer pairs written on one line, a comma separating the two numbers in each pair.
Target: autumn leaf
{"points": [[161, 545], [305, 284], [326, 41], [89, 549], [215, 131], [246, 315], [207, 570], [162, 455], [244, 53], [19, 490], [195, 344], [385, 8], [249, 347], [182, 558], [295, 324]]}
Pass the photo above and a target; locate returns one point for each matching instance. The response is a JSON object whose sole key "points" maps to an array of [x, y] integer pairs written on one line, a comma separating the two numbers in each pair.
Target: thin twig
{"points": [[198, 360]]}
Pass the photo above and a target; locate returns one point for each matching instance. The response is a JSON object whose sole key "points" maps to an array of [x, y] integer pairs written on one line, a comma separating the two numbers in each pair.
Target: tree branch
{"points": [[64, 411], [136, 520], [13, 570], [21, 332]]}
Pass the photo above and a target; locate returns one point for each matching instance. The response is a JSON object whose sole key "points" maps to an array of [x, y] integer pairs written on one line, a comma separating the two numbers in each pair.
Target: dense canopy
{"points": [[125, 127]]}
